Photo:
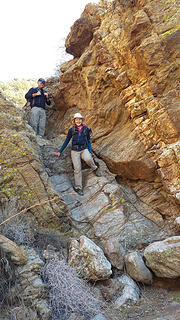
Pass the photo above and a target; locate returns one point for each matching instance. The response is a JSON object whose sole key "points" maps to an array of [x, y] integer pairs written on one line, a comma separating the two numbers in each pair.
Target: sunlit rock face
{"points": [[82, 31], [124, 78]]}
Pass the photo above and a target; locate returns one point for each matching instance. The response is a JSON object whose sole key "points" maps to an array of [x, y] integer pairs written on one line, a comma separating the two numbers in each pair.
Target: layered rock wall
{"points": [[124, 78]]}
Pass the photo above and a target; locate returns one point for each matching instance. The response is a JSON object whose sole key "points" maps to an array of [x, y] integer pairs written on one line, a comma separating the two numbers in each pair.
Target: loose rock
{"points": [[137, 269], [163, 257], [88, 259], [130, 293]]}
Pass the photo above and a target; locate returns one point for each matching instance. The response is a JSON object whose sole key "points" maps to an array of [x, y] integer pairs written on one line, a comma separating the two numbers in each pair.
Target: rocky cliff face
{"points": [[124, 78], [22, 176]]}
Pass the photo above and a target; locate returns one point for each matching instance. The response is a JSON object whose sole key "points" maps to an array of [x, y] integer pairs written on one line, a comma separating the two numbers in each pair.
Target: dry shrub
{"points": [[14, 229], [68, 293], [7, 279]]}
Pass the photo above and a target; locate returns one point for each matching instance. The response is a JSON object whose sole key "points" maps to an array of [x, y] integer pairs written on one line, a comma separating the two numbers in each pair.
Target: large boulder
{"points": [[163, 257], [88, 259]]}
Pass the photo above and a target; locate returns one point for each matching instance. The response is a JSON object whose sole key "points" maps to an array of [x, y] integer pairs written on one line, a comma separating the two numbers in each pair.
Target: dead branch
{"points": [[31, 207]]}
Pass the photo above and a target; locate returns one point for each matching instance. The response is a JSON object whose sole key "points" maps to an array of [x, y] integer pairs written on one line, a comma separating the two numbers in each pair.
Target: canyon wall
{"points": [[124, 78]]}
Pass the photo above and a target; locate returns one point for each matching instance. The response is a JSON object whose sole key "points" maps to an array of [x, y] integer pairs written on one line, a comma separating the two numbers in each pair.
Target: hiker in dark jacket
{"points": [[80, 149], [38, 99]]}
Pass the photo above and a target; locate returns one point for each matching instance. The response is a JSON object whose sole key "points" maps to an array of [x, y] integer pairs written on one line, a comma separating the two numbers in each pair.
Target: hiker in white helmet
{"points": [[81, 149]]}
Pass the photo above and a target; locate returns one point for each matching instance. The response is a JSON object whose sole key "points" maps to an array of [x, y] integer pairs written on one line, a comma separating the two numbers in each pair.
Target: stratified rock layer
{"points": [[125, 80]]}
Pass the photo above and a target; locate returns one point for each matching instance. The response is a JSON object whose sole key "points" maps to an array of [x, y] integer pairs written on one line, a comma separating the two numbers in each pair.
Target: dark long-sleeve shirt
{"points": [[37, 101], [80, 139]]}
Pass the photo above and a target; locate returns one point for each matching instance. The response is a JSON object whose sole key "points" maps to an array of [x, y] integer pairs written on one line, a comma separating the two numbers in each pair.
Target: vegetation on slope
{"points": [[15, 90]]}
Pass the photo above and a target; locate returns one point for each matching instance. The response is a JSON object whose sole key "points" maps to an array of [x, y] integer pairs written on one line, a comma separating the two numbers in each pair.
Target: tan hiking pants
{"points": [[76, 157]]}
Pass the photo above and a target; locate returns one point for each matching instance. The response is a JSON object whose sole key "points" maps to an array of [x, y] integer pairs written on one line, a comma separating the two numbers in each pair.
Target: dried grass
{"points": [[68, 293]]}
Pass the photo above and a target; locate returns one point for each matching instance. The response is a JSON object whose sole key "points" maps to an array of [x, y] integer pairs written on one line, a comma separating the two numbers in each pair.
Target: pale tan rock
{"points": [[114, 252], [106, 212], [137, 269], [163, 257], [17, 255], [88, 259], [110, 224]]}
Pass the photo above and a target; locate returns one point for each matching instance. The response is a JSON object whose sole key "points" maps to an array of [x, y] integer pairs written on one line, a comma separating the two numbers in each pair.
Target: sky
{"points": [[33, 33]]}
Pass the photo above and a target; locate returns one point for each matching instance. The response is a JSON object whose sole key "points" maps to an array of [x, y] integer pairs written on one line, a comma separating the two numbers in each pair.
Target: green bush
{"points": [[15, 90]]}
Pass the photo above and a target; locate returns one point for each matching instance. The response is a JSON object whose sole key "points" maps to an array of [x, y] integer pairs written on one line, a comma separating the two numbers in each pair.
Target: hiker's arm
{"points": [[32, 93], [89, 142], [89, 146], [48, 101], [57, 154], [68, 138], [28, 95]]}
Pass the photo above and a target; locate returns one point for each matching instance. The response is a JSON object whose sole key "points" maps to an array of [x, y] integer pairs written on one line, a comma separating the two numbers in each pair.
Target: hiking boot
{"points": [[79, 191], [98, 172]]}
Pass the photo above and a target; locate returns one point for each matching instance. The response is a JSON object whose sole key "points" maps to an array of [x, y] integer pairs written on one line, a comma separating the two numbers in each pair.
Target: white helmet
{"points": [[77, 115]]}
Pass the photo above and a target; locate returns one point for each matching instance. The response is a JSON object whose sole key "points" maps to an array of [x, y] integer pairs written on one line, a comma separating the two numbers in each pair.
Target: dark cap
{"points": [[41, 80]]}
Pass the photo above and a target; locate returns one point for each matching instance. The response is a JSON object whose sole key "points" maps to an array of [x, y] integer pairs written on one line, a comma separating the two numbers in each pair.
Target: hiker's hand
{"points": [[57, 154], [46, 95], [36, 94]]}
